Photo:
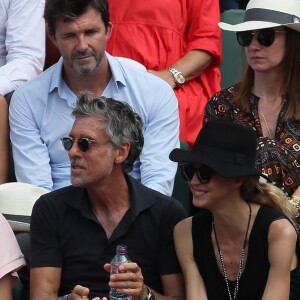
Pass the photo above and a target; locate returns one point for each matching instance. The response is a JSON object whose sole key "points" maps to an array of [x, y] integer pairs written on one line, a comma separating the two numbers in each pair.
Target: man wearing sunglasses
{"points": [[267, 96], [40, 113], [75, 230]]}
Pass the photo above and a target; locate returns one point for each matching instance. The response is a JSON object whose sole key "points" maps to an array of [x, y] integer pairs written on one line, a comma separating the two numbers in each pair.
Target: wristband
{"points": [[295, 201], [150, 295]]}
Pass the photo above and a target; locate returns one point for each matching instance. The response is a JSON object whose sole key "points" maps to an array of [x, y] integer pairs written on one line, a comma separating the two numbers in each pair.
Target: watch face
{"points": [[180, 78]]}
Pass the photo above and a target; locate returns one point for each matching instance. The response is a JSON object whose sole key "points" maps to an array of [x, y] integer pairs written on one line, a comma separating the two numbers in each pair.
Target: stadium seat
{"points": [[233, 57], [181, 191]]}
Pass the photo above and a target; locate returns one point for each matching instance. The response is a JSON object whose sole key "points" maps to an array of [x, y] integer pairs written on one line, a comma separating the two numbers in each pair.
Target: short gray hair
{"points": [[122, 123]]}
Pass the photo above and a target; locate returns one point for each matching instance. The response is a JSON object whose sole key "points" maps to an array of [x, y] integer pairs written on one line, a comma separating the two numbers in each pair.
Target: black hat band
{"points": [[267, 15], [226, 156]]}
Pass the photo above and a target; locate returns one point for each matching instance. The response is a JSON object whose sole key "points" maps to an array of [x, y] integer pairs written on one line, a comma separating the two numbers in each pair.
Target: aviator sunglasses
{"points": [[203, 173], [83, 143], [264, 36]]}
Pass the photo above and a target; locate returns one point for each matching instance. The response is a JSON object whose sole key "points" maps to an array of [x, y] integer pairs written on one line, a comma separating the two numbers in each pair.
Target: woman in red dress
{"points": [[177, 40]]}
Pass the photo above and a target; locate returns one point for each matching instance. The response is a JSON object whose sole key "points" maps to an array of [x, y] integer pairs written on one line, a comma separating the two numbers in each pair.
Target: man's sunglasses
{"points": [[203, 173], [83, 143], [264, 36]]}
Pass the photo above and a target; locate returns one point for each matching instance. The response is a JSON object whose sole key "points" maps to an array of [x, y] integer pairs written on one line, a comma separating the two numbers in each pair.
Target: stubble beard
{"points": [[86, 69], [79, 181], [84, 180]]}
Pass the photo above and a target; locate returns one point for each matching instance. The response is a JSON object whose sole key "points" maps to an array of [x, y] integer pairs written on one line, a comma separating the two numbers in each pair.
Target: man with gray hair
{"points": [[75, 230]]}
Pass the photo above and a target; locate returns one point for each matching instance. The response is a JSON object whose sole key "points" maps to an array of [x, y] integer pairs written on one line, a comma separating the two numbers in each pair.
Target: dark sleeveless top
{"points": [[255, 275]]}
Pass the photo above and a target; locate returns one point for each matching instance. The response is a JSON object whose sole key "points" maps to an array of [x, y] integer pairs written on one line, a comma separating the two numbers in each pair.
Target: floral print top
{"points": [[279, 158]]}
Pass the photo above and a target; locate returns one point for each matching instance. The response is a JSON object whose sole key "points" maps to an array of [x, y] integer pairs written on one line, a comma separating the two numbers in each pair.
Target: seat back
{"points": [[11, 167], [181, 191], [233, 57], [17, 200], [17, 291]]}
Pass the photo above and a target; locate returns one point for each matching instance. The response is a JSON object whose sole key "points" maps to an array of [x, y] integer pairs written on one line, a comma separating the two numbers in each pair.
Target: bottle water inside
{"points": [[120, 258]]}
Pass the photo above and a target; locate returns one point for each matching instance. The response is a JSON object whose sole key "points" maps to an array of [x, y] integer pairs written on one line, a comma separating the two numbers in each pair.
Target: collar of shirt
{"points": [[117, 77], [136, 190]]}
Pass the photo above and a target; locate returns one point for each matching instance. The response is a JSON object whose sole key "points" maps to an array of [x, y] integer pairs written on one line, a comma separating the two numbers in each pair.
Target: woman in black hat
{"points": [[244, 244], [267, 98]]}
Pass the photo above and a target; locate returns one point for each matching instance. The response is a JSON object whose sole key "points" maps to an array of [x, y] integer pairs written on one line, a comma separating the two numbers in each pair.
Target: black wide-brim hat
{"points": [[227, 148]]}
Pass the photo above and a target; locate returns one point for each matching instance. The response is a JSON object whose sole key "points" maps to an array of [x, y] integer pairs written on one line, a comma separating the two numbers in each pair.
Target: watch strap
{"points": [[150, 295]]}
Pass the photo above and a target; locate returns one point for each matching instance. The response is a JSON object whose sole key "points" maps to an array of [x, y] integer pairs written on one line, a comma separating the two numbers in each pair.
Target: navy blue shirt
{"points": [[65, 233]]}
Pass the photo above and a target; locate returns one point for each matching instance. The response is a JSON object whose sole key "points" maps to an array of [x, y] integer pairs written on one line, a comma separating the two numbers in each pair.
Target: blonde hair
{"points": [[268, 194]]}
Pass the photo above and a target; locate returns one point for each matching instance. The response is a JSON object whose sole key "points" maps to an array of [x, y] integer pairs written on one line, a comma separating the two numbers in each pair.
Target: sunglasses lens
{"points": [[266, 37], [244, 38], [83, 144], [204, 174], [187, 172], [67, 143]]}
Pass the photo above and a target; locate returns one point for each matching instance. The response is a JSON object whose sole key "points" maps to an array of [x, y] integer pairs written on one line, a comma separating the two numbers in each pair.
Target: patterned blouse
{"points": [[279, 158]]}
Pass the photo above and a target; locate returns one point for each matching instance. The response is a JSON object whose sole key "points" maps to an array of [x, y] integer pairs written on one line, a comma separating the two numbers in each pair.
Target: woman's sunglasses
{"points": [[264, 36], [203, 173], [83, 143]]}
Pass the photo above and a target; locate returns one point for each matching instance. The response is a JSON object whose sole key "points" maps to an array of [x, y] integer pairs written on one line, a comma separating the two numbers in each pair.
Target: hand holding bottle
{"points": [[129, 281], [126, 280]]}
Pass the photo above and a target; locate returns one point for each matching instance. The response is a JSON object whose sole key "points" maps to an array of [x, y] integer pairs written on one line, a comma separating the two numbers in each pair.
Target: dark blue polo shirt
{"points": [[65, 233]]}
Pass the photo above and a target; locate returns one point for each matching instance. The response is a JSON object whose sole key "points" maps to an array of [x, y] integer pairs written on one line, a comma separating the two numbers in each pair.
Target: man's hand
{"points": [[129, 281], [81, 293]]}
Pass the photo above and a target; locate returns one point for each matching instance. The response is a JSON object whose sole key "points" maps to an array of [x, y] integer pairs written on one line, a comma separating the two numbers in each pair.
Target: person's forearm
{"points": [[4, 139], [25, 35], [6, 287], [46, 296], [193, 63], [157, 295]]}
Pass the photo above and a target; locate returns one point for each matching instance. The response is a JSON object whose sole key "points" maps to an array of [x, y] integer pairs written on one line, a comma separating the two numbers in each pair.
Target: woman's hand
{"points": [[166, 76]]}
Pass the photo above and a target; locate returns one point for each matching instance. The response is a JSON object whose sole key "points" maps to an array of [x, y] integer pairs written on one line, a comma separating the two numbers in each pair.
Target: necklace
{"points": [[265, 121], [276, 112], [241, 263]]}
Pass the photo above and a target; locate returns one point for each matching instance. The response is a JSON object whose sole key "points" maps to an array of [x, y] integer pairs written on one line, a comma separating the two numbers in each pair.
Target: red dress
{"points": [[159, 32]]}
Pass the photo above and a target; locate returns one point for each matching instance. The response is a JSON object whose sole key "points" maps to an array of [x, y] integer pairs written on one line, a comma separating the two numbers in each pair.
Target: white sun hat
{"points": [[261, 14], [16, 203]]}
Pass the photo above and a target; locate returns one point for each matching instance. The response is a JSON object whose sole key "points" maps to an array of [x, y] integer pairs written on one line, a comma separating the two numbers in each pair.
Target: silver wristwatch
{"points": [[150, 295], [178, 76]]}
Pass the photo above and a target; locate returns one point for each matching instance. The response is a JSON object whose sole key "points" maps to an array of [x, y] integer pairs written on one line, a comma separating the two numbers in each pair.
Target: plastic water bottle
{"points": [[120, 258]]}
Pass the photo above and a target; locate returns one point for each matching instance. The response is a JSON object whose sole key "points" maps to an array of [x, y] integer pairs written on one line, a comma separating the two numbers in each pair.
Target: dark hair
{"points": [[290, 78], [122, 123], [68, 10]]}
